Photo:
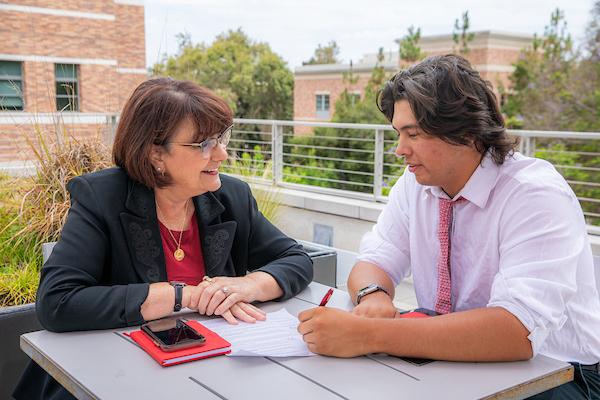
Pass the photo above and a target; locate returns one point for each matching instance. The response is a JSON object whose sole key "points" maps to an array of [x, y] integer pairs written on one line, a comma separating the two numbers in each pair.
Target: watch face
{"points": [[368, 289], [373, 287]]}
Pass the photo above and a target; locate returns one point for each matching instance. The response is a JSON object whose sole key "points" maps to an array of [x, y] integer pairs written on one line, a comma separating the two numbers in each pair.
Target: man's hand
{"points": [[375, 305], [333, 332]]}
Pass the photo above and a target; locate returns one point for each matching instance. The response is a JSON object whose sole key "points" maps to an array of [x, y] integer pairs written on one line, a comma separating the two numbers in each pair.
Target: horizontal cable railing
{"points": [[359, 160]]}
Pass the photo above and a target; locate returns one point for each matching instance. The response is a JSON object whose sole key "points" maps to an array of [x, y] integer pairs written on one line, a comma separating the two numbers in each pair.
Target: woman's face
{"points": [[192, 174]]}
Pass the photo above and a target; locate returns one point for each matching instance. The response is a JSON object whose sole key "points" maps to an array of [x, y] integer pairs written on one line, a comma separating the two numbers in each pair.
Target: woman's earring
{"points": [[160, 170]]}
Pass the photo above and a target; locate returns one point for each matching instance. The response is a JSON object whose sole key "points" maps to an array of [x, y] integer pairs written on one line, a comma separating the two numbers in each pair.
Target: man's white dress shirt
{"points": [[518, 242]]}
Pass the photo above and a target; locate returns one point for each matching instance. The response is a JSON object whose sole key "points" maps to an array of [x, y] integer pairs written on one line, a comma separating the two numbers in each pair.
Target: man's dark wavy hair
{"points": [[450, 101]]}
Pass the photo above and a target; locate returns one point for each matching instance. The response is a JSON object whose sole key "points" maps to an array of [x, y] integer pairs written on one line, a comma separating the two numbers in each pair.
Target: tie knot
{"points": [[450, 202], [446, 205]]}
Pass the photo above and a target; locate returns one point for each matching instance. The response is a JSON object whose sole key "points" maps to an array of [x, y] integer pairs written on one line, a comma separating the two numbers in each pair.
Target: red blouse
{"points": [[191, 269]]}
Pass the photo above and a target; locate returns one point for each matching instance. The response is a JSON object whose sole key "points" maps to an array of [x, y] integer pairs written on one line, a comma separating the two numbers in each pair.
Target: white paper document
{"points": [[275, 337]]}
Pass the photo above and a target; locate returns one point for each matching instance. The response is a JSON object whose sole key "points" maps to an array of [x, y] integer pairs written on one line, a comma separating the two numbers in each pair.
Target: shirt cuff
{"points": [[136, 294], [539, 328], [537, 332]]}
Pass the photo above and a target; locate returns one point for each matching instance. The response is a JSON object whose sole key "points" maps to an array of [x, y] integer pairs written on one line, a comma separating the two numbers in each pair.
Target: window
{"points": [[323, 106], [354, 98], [11, 86], [67, 88]]}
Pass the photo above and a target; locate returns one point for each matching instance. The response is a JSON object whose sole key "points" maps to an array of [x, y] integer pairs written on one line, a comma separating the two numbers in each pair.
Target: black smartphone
{"points": [[173, 334]]}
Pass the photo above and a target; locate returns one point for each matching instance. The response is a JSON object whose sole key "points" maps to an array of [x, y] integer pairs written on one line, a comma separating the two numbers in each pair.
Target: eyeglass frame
{"points": [[205, 143]]}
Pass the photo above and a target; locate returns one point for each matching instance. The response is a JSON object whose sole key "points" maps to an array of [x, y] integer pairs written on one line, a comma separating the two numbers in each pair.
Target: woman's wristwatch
{"points": [[178, 294], [372, 288]]}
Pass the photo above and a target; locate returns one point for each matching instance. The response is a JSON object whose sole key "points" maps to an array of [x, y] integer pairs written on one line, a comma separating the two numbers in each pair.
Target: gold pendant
{"points": [[179, 254]]}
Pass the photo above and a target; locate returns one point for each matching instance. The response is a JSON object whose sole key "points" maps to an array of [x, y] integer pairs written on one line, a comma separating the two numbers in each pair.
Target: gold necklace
{"points": [[179, 254]]}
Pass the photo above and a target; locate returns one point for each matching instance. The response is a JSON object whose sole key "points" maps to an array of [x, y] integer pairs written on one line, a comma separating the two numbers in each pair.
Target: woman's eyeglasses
{"points": [[206, 146]]}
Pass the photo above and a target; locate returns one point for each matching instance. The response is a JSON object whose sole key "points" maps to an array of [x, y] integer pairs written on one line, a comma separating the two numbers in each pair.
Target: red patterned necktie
{"points": [[443, 304]]}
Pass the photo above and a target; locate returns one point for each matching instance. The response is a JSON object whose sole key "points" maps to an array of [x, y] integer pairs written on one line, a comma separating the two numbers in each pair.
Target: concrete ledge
{"points": [[595, 243], [360, 210], [335, 205]]}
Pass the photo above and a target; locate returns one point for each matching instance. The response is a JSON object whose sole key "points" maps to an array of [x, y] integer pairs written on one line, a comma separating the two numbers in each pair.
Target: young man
{"points": [[496, 242]]}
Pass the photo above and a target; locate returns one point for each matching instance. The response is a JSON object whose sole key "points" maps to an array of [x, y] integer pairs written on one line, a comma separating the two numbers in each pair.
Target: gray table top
{"points": [[108, 365]]}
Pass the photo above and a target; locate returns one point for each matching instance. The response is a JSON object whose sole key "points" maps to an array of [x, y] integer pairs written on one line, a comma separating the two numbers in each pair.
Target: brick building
{"points": [[317, 87], [81, 58]]}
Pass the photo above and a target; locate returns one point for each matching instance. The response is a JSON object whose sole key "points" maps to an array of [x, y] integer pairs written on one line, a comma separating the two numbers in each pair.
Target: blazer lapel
{"points": [[216, 236], [140, 227]]}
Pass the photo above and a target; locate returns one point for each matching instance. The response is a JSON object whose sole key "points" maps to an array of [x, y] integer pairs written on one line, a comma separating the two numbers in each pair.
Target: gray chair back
{"points": [[47, 250]]}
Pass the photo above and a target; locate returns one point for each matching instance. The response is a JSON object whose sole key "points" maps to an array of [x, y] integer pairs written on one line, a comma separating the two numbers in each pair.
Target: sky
{"points": [[294, 28]]}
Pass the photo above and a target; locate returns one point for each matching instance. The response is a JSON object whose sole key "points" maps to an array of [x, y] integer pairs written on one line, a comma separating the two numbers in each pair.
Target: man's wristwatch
{"points": [[372, 288], [178, 294]]}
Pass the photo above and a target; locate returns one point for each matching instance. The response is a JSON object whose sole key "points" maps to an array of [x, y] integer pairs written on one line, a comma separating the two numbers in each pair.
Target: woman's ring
{"points": [[208, 279], [225, 290]]}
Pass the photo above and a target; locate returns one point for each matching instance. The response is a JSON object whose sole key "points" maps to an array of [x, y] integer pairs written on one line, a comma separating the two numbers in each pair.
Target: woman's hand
{"points": [[228, 297], [214, 292], [243, 311]]}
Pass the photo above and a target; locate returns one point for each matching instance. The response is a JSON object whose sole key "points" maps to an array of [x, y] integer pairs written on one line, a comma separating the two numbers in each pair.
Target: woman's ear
{"points": [[156, 156]]}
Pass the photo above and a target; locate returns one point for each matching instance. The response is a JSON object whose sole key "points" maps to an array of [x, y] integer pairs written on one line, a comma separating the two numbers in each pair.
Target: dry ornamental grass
{"points": [[34, 209]]}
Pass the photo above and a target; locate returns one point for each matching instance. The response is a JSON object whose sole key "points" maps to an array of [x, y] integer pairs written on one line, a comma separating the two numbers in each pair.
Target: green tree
{"points": [[409, 45], [540, 81], [556, 87], [593, 34], [586, 80], [461, 35], [325, 54], [333, 157], [249, 75]]}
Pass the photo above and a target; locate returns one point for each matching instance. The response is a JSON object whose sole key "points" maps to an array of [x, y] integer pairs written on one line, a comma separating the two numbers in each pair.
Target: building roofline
{"points": [[339, 68], [490, 34], [130, 2], [432, 43]]}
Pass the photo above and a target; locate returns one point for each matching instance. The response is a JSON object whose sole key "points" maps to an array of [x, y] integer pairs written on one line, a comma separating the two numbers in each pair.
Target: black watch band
{"points": [[178, 286]]}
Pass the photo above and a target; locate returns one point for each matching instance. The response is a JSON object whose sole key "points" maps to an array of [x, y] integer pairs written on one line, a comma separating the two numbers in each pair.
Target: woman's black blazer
{"points": [[110, 250]]}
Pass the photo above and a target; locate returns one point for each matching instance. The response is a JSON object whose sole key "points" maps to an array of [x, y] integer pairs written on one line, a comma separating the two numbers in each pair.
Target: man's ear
{"points": [[156, 156]]}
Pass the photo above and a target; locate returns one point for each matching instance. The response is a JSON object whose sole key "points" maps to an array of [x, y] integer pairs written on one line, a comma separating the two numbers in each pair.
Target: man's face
{"points": [[433, 161]]}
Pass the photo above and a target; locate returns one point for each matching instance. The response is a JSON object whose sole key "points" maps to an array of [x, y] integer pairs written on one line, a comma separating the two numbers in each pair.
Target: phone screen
{"points": [[173, 332]]}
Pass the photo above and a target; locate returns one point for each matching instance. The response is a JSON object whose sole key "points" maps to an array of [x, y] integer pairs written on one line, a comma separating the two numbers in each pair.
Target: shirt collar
{"points": [[479, 186]]}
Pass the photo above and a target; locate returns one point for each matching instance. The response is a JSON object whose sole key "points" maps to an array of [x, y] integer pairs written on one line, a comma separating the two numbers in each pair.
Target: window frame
{"points": [[13, 79], [72, 106], [320, 105]]}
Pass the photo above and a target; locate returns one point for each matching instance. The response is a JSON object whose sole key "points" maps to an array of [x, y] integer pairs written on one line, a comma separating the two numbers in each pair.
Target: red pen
{"points": [[326, 298]]}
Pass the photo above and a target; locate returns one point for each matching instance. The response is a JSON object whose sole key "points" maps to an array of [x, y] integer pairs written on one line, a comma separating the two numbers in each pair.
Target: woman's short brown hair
{"points": [[151, 116]]}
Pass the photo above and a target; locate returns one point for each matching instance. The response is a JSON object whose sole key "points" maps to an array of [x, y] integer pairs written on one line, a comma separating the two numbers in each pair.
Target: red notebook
{"points": [[417, 313], [215, 346]]}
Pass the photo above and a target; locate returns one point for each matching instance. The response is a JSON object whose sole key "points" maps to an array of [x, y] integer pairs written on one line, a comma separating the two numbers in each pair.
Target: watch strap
{"points": [[178, 286]]}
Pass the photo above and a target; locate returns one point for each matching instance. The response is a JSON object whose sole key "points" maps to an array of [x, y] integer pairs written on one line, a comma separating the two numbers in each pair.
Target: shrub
{"points": [[34, 208]]}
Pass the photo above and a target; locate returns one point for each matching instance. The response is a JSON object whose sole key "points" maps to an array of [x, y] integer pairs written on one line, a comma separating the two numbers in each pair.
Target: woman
{"points": [[163, 230]]}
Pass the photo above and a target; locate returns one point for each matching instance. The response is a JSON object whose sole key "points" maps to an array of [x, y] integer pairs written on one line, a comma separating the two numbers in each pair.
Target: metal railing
{"points": [[358, 160]]}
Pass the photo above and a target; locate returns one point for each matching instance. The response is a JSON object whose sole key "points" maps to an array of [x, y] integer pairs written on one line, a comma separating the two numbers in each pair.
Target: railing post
{"points": [[378, 164], [526, 146], [277, 152], [111, 122]]}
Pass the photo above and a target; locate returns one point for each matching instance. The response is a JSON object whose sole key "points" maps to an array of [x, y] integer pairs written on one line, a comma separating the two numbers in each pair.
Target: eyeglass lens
{"points": [[210, 144]]}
